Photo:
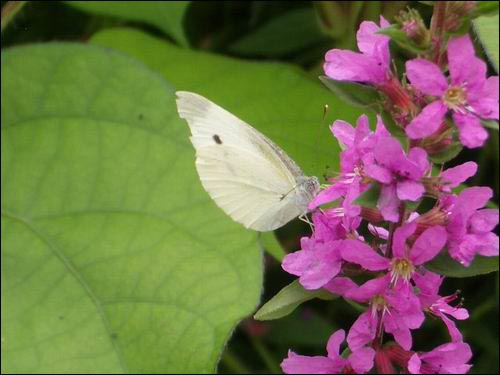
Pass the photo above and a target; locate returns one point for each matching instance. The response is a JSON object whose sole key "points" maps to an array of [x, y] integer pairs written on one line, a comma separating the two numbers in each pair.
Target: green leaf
{"points": [[277, 99], [114, 259], [369, 198], [447, 154], [271, 245], [282, 35], [288, 299], [353, 93], [487, 29], [484, 8], [402, 40], [490, 124], [168, 16], [443, 264]]}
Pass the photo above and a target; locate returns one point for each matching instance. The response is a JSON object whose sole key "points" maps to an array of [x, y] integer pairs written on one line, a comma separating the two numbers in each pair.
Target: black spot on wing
{"points": [[217, 139]]}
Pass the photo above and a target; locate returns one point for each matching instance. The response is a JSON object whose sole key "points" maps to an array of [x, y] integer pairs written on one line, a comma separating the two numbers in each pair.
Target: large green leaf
{"points": [[114, 259], [487, 30], [277, 99], [294, 30], [445, 265], [168, 16]]}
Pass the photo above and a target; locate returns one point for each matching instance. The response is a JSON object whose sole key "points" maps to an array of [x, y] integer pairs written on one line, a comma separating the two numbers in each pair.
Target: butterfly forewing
{"points": [[245, 173]]}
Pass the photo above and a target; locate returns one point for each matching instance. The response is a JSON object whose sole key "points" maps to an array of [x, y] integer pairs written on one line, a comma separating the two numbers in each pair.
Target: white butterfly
{"points": [[253, 180]]}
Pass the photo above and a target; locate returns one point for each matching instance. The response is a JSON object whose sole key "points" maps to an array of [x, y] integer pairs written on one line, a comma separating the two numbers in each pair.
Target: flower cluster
{"points": [[378, 255]]}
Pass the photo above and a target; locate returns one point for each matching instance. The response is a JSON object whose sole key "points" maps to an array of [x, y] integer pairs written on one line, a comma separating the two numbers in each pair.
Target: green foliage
{"points": [[288, 299], [295, 30], [449, 153], [276, 99], [487, 30], [354, 93], [167, 16], [370, 197], [114, 259], [445, 265]]}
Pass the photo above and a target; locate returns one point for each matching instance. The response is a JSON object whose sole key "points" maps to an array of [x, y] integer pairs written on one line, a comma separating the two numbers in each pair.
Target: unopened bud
{"points": [[413, 25]]}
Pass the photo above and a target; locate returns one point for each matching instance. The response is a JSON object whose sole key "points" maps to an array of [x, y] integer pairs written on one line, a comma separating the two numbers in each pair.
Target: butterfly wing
{"points": [[247, 175]]}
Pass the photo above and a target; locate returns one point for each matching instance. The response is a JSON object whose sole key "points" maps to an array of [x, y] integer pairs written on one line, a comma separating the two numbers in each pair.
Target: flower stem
{"points": [[438, 30]]}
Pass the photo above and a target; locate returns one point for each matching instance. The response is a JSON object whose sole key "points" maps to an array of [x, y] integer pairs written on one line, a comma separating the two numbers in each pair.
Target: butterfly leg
{"points": [[305, 219]]}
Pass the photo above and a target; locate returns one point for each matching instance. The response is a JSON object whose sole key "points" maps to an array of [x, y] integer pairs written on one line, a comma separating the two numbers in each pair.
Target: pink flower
{"points": [[470, 226], [449, 358], [428, 284], [469, 95], [404, 259], [394, 308], [370, 66], [357, 143], [361, 360], [452, 177], [399, 174], [319, 259]]}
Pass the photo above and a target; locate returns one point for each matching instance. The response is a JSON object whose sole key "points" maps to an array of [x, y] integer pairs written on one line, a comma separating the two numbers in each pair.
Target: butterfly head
{"points": [[307, 188]]}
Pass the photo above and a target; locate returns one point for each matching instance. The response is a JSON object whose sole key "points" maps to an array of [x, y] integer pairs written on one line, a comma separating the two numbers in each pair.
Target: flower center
{"points": [[401, 269], [455, 97], [379, 303]]}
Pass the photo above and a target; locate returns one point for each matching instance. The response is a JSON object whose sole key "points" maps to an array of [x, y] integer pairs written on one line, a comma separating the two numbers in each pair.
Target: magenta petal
{"points": [[456, 175], [419, 157], [362, 129], [410, 190], [297, 262], [346, 65], [428, 121], [428, 245], [355, 251], [473, 198], [340, 285], [389, 153], [414, 364], [426, 77], [388, 203], [362, 360], [369, 289], [378, 173], [362, 331], [300, 364], [486, 244], [328, 195], [465, 68], [320, 272], [484, 220], [344, 132], [471, 132], [485, 102], [401, 234], [455, 334], [334, 342], [373, 44]]}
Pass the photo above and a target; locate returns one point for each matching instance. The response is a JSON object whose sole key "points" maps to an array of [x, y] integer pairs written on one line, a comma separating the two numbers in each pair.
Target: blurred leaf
{"points": [[294, 30], [303, 327], [490, 124], [447, 154], [288, 299], [483, 8], [168, 16], [271, 245], [277, 99], [369, 198], [487, 29], [353, 93], [331, 17], [114, 259], [443, 264], [400, 37]]}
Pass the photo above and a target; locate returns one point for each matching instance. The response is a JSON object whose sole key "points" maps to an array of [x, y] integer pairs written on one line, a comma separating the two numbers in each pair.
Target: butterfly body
{"points": [[245, 173]]}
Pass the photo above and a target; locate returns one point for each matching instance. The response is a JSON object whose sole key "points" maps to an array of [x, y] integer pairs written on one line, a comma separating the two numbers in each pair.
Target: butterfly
{"points": [[247, 175]]}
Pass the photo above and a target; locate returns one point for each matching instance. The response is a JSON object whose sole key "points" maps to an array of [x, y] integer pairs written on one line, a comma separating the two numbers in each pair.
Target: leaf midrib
{"points": [[78, 277]]}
